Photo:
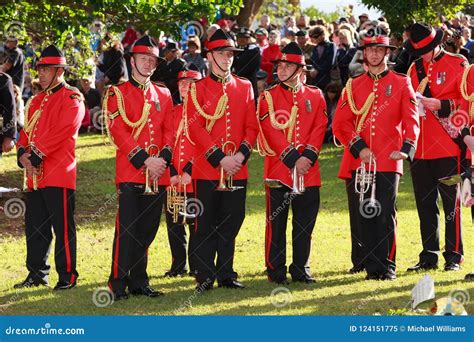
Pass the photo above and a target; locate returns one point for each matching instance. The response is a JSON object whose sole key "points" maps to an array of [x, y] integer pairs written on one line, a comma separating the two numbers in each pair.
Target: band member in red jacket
{"points": [[180, 172], [436, 77], [376, 119], [223, 124], [293, 120], [46, 150], [467, 133], [139, 118]]}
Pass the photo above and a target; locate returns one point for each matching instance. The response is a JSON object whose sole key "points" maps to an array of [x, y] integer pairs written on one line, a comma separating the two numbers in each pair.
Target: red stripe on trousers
{"points": [[458, 210], [117, 243], [66, 238], [268, 231], [195, 218], [394, 246]]}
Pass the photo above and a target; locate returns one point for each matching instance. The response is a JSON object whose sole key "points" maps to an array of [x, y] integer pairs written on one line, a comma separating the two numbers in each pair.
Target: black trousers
{"points": [[136, 225], [425, 175], [46, 208], [378, 225], [216, 227], [305, 209], [177, 238], [357, 248]]}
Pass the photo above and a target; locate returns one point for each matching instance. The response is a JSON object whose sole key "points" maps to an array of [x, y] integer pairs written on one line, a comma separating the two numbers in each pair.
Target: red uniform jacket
{"points": [[308, 130], [444, 84], [467, 105], [128, 100], [52, 139], [391, 123], [237, 124], [183, 149]]}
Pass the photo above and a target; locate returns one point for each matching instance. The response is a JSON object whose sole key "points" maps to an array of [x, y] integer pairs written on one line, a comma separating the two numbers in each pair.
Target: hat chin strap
{"points": [[141, 74], [52, 80], [224, 71], [291, 76]]}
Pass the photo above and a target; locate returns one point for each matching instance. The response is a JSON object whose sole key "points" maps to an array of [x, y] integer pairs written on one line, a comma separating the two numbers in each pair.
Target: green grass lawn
{"points": [[335, 293]]}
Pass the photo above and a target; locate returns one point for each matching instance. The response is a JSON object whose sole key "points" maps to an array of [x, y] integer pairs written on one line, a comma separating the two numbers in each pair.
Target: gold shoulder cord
{"points": [[289, 124], [424, 82], [364, 110], [263, 147], [465, 95], [136, 126], [183, 126], [218, 113], [30, 122]]}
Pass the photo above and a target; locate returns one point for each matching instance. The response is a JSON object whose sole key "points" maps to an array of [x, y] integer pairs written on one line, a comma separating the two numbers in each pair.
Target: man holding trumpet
{"points": [[181, 187], [223, 125], [139, 116], [376, 119], [292, 118]]}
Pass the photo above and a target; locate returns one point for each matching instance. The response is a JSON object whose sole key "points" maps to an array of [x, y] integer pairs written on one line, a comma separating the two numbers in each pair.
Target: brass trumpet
{"points": [[365, 178], [177, 202], [153, 151], [227, 183], [298, 181]]}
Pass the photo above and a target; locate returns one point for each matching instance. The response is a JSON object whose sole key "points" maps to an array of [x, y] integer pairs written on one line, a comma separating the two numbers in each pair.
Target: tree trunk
{"points": [[248, 12]]}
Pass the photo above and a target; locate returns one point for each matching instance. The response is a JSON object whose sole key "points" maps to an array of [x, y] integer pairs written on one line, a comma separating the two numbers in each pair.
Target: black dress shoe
{"points": [[64, 285], [452, 266], [29, 282], [147, 291], [120, 295], [422, 266], [388, 276], [306, 280], [372, 276], [174, 273], [357, 269], [231, 284], [205, 286], [469, 277], [193, 274]]}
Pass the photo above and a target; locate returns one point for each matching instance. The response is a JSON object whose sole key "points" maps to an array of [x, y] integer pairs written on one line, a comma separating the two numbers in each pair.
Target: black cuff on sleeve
{"points": [[445, 110], [139, 159], [188, 168], [166, 154], [35, 159], [214, 158], [465, 132], [311, 155], [245, 151], [21, 151], [291, 157], [173, 171], [357, 146], [409, 149]]}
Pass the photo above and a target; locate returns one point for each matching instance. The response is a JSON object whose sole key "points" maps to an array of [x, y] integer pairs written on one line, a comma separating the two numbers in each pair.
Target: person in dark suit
{"points": [[323, 56], [247, 63], [7, 113], [168, 72]]}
